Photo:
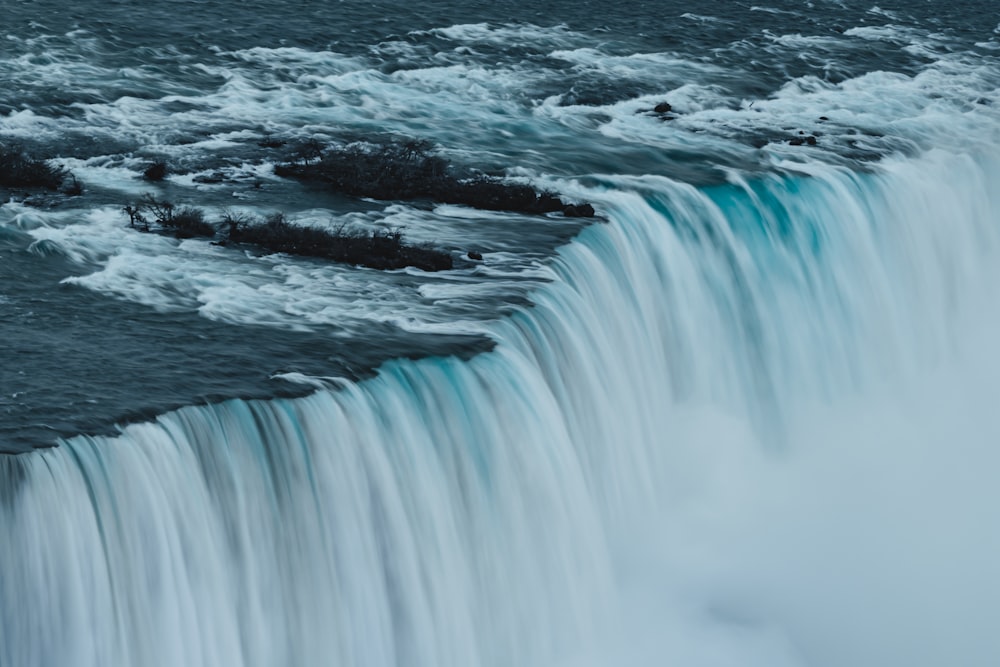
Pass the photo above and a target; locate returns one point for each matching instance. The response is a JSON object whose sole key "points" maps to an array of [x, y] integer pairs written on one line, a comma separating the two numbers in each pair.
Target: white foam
{"points": [[748, 427], [753, 425], [506, 34], [770, 10], [314, 381], [229, 285], [701, 18]]}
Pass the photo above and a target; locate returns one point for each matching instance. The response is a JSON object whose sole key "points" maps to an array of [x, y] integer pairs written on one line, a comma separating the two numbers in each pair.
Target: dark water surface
{"points": [[747, 415], [102, 324]]}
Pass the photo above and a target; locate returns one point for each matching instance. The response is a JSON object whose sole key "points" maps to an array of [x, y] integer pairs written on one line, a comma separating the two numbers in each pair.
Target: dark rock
{"points": [[380, 249], [408, 171], [797, 141], [547, 202], [493, 194], [475, 255], [390, 171], [270, 142], [811, 140], [823, 118], [579, 211], [663, 107], [20, 170], [156, 171], [214, 178]]}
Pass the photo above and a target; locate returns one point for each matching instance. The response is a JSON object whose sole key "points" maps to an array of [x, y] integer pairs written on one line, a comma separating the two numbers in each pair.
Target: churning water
{"points": [[749, 417]]}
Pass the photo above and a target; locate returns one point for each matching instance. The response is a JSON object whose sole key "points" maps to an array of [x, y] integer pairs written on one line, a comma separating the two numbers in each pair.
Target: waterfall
{"points": [[749, 424]]}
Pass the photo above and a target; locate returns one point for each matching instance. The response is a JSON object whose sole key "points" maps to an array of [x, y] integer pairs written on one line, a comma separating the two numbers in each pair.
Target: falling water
{"points": [[748, 424]]}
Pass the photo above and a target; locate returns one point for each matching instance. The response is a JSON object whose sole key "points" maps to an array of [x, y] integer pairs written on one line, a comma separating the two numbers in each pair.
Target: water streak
{"points": [[708, 442]]}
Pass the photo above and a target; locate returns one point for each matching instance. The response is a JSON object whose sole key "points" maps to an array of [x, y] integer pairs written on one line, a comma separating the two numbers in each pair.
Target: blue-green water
{"points": [[106, 88], [746, 416]]}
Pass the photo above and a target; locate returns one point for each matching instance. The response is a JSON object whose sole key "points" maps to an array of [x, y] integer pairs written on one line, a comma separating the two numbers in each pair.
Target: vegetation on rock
{"points": [[18, 169], [378, 249], [408, 171], [183, 221], [157, 171]]}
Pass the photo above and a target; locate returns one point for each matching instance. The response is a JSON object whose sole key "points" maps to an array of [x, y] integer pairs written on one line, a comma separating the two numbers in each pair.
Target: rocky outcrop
{"points": [[409, 171]]}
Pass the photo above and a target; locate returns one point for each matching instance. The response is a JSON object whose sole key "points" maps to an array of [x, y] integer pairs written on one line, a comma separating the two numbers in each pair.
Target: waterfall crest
{"points": [[680, 387]]}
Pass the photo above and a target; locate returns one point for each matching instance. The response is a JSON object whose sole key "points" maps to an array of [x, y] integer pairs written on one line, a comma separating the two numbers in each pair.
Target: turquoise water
{"points": [[746, 416]]}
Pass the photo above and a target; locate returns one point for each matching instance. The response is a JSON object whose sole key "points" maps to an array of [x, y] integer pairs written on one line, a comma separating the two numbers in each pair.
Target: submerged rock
{"points": [[156, 171], [213, 178], [270, 142]]}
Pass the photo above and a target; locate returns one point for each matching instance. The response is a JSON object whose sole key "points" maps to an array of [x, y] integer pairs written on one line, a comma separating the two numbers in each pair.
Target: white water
{"points": [[753, 428], [273, 291]]}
